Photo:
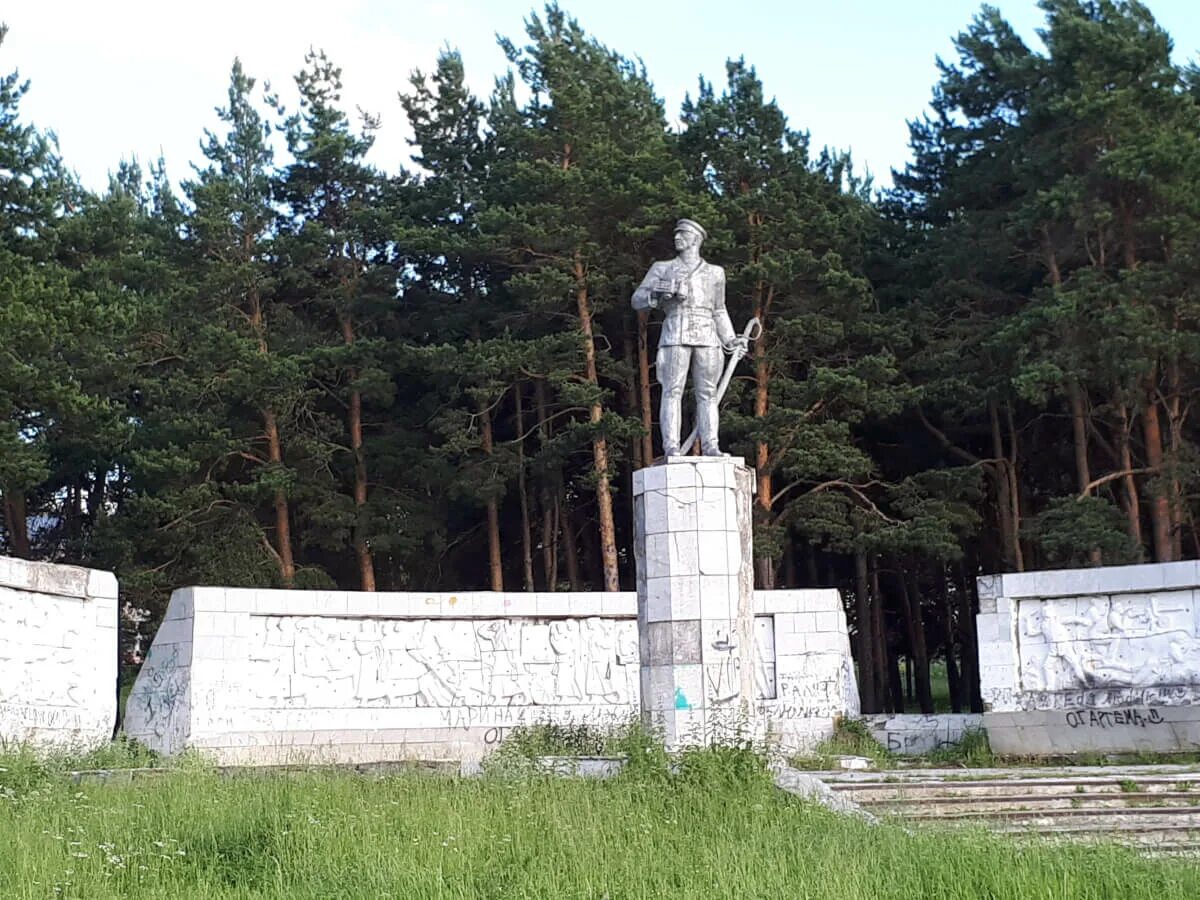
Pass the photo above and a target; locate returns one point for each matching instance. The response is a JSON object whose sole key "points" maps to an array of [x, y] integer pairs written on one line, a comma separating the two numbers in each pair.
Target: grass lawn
{"points": [[717, 828]]}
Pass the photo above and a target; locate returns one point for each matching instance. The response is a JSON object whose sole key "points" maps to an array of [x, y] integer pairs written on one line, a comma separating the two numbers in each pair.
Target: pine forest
{"points": [[294, 369]]}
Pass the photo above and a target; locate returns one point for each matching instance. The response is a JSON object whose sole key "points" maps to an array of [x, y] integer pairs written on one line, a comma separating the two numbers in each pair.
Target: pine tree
{"points": [[583, 178], [43, 318], [795, 240], [336, 277], [252, 390], [449, 295]]}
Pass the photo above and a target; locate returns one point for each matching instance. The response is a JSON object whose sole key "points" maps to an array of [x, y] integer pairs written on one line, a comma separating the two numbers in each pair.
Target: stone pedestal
{"points": [[692, 520]]}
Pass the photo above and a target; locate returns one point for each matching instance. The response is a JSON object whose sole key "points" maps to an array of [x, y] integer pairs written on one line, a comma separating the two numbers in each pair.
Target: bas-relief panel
{"points": [[321, 662], [1132, 641], [299, 662]]}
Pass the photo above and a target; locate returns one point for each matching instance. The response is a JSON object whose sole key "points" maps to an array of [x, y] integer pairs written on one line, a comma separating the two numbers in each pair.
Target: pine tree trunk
{"points": [[810, 567], [283, 525], [16, 523], [969, 603], [97, 497], [608, 531], [73, 512], [895, 683], [789, 561], [570, 547], [1160, 504], [1014, 487], [366, 560], [764, 565], [952, 670], [550, 492], [879, 638], [1083, 475], [522, 490], [495, 562], [865, 633], [362, 548], [644, 402], [282, 550], [1000, 475], [1175, 417], [631, 394], [919, 656], [1129, 493]]}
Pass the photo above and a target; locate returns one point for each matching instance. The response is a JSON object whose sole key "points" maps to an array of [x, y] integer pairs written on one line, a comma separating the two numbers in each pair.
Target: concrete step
{"points": [[1182, 852], [935, 806], [1153, 838], [1155, 835], [1112, 819], [1013, 773], [1153, 809], [867, 791]]}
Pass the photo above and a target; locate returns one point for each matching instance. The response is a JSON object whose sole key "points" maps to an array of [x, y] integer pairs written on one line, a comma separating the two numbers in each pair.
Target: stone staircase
{"points": [[1155, 809]]}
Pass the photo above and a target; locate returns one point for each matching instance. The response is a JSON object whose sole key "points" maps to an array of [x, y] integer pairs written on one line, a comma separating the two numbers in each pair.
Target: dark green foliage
{"points": [[1070, 527], [306, 371]]}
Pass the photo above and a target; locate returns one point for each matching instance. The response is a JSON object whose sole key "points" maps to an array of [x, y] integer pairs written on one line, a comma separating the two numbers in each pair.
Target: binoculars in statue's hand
{"points": [[668, 289]]}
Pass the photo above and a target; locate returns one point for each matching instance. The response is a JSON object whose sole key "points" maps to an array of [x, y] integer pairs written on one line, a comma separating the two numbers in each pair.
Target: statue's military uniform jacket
{"points": [[697, 320]]}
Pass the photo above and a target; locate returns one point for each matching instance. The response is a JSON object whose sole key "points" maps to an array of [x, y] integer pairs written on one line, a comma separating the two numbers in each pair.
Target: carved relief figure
{"points": [[468, 665], [628, 659], [369, 680], [1060, 646], [500, 663], [1118, 642], [602, 660], [439, 684], [564, 641]]}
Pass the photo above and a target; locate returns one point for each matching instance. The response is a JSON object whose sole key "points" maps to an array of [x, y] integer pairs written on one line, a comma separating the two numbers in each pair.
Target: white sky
{"points": [[138, 78]]}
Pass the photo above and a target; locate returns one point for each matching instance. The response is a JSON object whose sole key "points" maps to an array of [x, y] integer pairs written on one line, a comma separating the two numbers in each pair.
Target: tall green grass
{"points": [[711, 826]]}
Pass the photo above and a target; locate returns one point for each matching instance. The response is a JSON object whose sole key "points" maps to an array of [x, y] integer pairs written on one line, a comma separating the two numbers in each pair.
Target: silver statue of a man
{"points": [[691, 292]]}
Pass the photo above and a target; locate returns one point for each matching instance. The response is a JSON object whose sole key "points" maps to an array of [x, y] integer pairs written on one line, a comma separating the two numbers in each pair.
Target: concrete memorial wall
{"points": [[272, 677], [1092, 660], [58, 655]]}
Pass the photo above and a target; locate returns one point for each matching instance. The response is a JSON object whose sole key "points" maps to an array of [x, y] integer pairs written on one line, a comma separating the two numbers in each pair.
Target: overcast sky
{"points": [[136, 78]]}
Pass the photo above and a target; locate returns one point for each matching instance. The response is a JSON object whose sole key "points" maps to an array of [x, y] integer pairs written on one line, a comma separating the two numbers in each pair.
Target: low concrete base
{"points": [[1064, 732], [916, 735]]}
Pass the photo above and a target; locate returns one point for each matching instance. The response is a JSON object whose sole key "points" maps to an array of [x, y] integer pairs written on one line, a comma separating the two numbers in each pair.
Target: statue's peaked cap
{"points": [[693, 225]]}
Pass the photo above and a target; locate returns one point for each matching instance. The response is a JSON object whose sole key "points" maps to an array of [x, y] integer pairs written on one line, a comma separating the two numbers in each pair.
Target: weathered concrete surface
{"points": [[278, 677], [695, 584], [58, 654], [1053, 732], [918, 735], [711, 671], [1060, 652], [812, 787], [1153, 808]]}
